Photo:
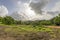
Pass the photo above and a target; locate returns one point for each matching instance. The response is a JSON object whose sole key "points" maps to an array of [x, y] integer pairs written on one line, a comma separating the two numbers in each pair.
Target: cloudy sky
{"points": [[30, 9]]}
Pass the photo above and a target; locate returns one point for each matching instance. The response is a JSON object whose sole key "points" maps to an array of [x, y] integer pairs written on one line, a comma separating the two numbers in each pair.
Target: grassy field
{"points": [[28, 32], [25, 28]]}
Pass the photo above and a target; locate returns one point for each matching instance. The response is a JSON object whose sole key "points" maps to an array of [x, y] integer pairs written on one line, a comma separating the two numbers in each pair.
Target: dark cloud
{"points": [[37, 5]]}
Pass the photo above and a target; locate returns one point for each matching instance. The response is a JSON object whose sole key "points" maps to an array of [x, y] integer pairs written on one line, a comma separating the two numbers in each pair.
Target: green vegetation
{"points": [[9, 20], [28, 28], [32, 26], [27, 32], [56, 20]]}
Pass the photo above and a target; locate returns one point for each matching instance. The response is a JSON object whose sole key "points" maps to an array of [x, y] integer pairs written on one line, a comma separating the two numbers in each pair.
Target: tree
{"points": [[35, 23], [18, 22], [56, 20], [45, 22], [0, 19], [8, 20]]}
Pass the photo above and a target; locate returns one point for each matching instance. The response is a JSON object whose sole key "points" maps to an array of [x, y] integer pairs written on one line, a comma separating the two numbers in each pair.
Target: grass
{"points": [[29, 32], [24, 28]]}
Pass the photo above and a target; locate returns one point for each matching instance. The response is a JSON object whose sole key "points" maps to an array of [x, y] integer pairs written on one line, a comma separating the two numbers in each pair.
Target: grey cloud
{"points": [[37, 5], [18, 16], [54, 14], [24, 1]]}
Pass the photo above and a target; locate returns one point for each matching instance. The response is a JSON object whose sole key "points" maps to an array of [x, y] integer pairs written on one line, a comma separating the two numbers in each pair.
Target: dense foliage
{"points": [[56, 20], [9, 20]]}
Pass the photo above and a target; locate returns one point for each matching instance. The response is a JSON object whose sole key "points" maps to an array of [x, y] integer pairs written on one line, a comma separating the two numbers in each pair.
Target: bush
{"points": [[45, 22]]}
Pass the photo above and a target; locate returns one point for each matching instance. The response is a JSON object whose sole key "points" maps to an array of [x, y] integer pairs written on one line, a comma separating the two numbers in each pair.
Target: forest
{"points": [[9, 20]]}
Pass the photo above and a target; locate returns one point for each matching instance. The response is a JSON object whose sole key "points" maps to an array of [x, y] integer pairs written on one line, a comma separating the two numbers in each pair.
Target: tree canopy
{"points": [[9, 20]]}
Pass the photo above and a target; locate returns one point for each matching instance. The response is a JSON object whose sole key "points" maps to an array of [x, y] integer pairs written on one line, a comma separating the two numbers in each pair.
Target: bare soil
{"points": [[58, 27]]}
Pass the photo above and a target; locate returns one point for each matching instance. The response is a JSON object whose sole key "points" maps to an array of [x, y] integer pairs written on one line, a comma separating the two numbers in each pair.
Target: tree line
{"points": [[9, 20]]}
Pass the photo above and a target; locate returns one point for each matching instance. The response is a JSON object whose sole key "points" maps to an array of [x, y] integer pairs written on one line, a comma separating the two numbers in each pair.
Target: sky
{"points": [[30, 9]]}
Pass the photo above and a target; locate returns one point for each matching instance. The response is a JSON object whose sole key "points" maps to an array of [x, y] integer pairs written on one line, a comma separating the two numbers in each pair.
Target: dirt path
{"points": [[54, 27]]}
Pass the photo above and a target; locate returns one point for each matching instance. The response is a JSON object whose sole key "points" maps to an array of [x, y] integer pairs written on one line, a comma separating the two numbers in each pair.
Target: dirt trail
{"points": [[54, 27]]}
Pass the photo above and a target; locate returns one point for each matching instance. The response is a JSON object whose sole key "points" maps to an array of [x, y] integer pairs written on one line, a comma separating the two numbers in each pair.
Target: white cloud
{"points": [[52, 12], [3, 11], [44, 16], [23, 12]]}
